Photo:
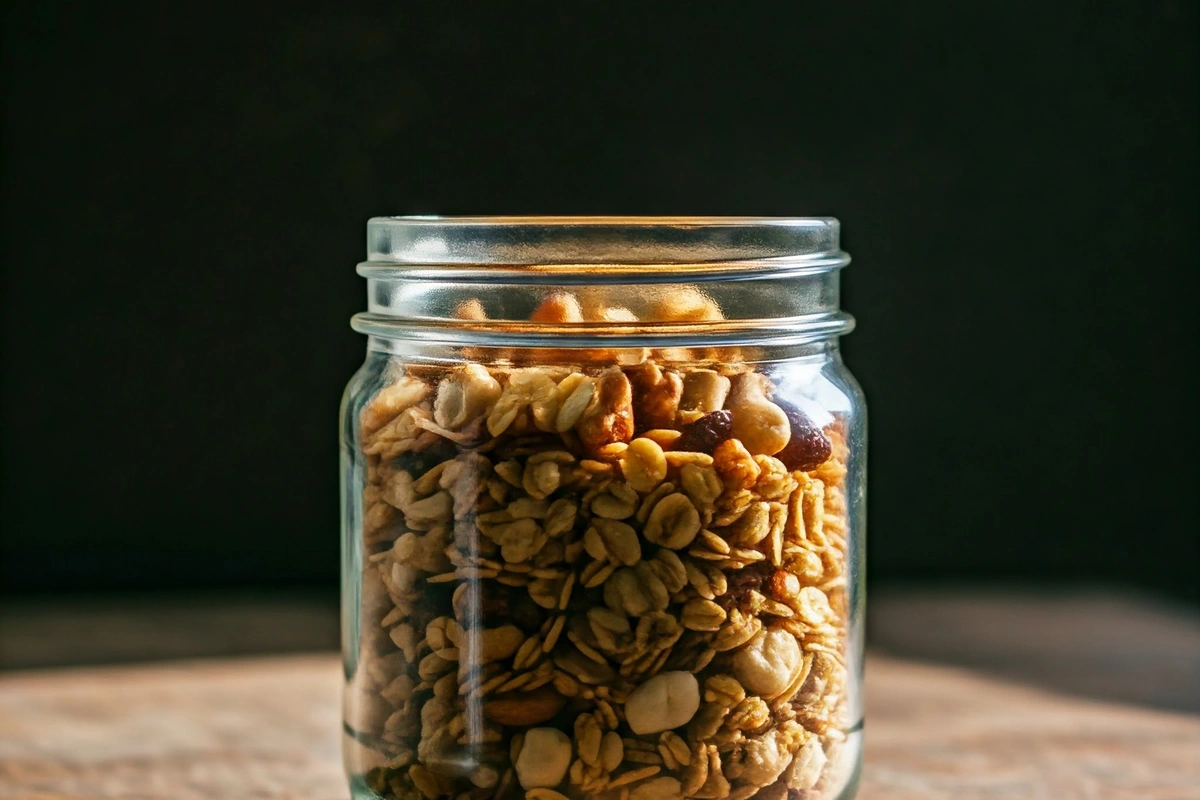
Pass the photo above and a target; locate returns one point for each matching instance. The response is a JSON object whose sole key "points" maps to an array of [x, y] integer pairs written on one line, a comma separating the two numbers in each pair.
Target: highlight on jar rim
{"points": [[603, 512]]}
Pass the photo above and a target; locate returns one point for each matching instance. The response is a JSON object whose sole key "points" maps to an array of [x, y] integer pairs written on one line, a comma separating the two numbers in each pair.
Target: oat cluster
{"points": [[624, 583]]}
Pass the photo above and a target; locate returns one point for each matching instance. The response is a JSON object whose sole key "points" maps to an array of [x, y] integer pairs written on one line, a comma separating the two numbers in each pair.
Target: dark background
{"points": [[185, 196]]}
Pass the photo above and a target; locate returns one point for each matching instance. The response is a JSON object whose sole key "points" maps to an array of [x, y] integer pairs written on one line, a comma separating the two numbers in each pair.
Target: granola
{"points": [[626, 582]]}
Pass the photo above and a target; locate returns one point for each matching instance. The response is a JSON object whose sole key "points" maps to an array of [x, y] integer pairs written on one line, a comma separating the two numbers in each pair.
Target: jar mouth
{"points": [[610, 242], [570, 281]]}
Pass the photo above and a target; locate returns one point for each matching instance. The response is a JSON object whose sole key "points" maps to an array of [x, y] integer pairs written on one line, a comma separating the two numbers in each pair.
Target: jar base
{"points": [[360, 791]]}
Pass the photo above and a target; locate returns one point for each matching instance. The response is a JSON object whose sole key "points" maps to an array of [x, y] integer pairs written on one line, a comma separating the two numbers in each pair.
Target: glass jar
{"points": [[603, 486]]}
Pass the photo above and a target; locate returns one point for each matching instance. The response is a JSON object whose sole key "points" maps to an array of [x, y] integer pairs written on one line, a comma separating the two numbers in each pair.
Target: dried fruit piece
{"points": [[808, 448], [703, 435]]}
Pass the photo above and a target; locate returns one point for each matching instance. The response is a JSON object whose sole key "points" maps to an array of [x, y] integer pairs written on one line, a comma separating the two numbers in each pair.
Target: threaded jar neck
{"points": [[623, 281]]}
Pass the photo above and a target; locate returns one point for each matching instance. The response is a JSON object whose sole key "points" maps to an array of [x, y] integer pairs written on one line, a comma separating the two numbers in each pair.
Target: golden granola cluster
{"points": [[624, 583]]}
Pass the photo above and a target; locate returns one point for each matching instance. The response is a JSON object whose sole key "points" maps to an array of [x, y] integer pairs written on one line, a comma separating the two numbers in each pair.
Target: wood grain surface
{"points": [[268, 727]]}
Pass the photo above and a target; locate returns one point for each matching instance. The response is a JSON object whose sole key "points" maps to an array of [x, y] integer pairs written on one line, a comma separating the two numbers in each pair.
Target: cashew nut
{"points": [[666, 701], [544, 758], [762, 426]]}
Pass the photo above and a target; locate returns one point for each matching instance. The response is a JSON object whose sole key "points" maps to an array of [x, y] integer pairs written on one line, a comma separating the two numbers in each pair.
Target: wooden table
{"points": [[267, 727]]}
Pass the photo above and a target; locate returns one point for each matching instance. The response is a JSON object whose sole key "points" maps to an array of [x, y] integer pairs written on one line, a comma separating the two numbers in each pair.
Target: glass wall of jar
{"points": [[603, 530]]}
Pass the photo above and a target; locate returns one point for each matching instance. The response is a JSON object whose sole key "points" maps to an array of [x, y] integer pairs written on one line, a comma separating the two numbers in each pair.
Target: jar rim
{"points": [[612, 242]]}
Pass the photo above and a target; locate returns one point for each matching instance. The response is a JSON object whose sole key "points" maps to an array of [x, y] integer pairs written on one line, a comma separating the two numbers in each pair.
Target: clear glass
{"points": [[603, 530]]}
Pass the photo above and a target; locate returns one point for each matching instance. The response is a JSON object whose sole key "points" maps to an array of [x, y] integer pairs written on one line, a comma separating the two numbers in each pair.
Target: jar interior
{"points": [[603, 537]]}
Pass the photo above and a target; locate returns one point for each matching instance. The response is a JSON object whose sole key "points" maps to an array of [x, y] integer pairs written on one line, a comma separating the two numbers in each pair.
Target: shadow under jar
{"points": [[603, 512]]}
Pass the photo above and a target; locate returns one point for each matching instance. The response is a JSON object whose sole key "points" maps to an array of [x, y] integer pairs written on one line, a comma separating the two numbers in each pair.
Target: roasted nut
{"points": [[668, 700], [656, 396], [612, 751], [767, 662], [524, 708], [492, 644], [610, 417], [735, 465], [704, 390], [685, 305], [558, 307], [545, 756], [761, 425]]}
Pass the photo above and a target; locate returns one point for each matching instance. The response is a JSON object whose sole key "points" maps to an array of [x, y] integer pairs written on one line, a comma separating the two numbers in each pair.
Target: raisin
{"points": [[703, 435], [807, 448], [743, 581]]}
